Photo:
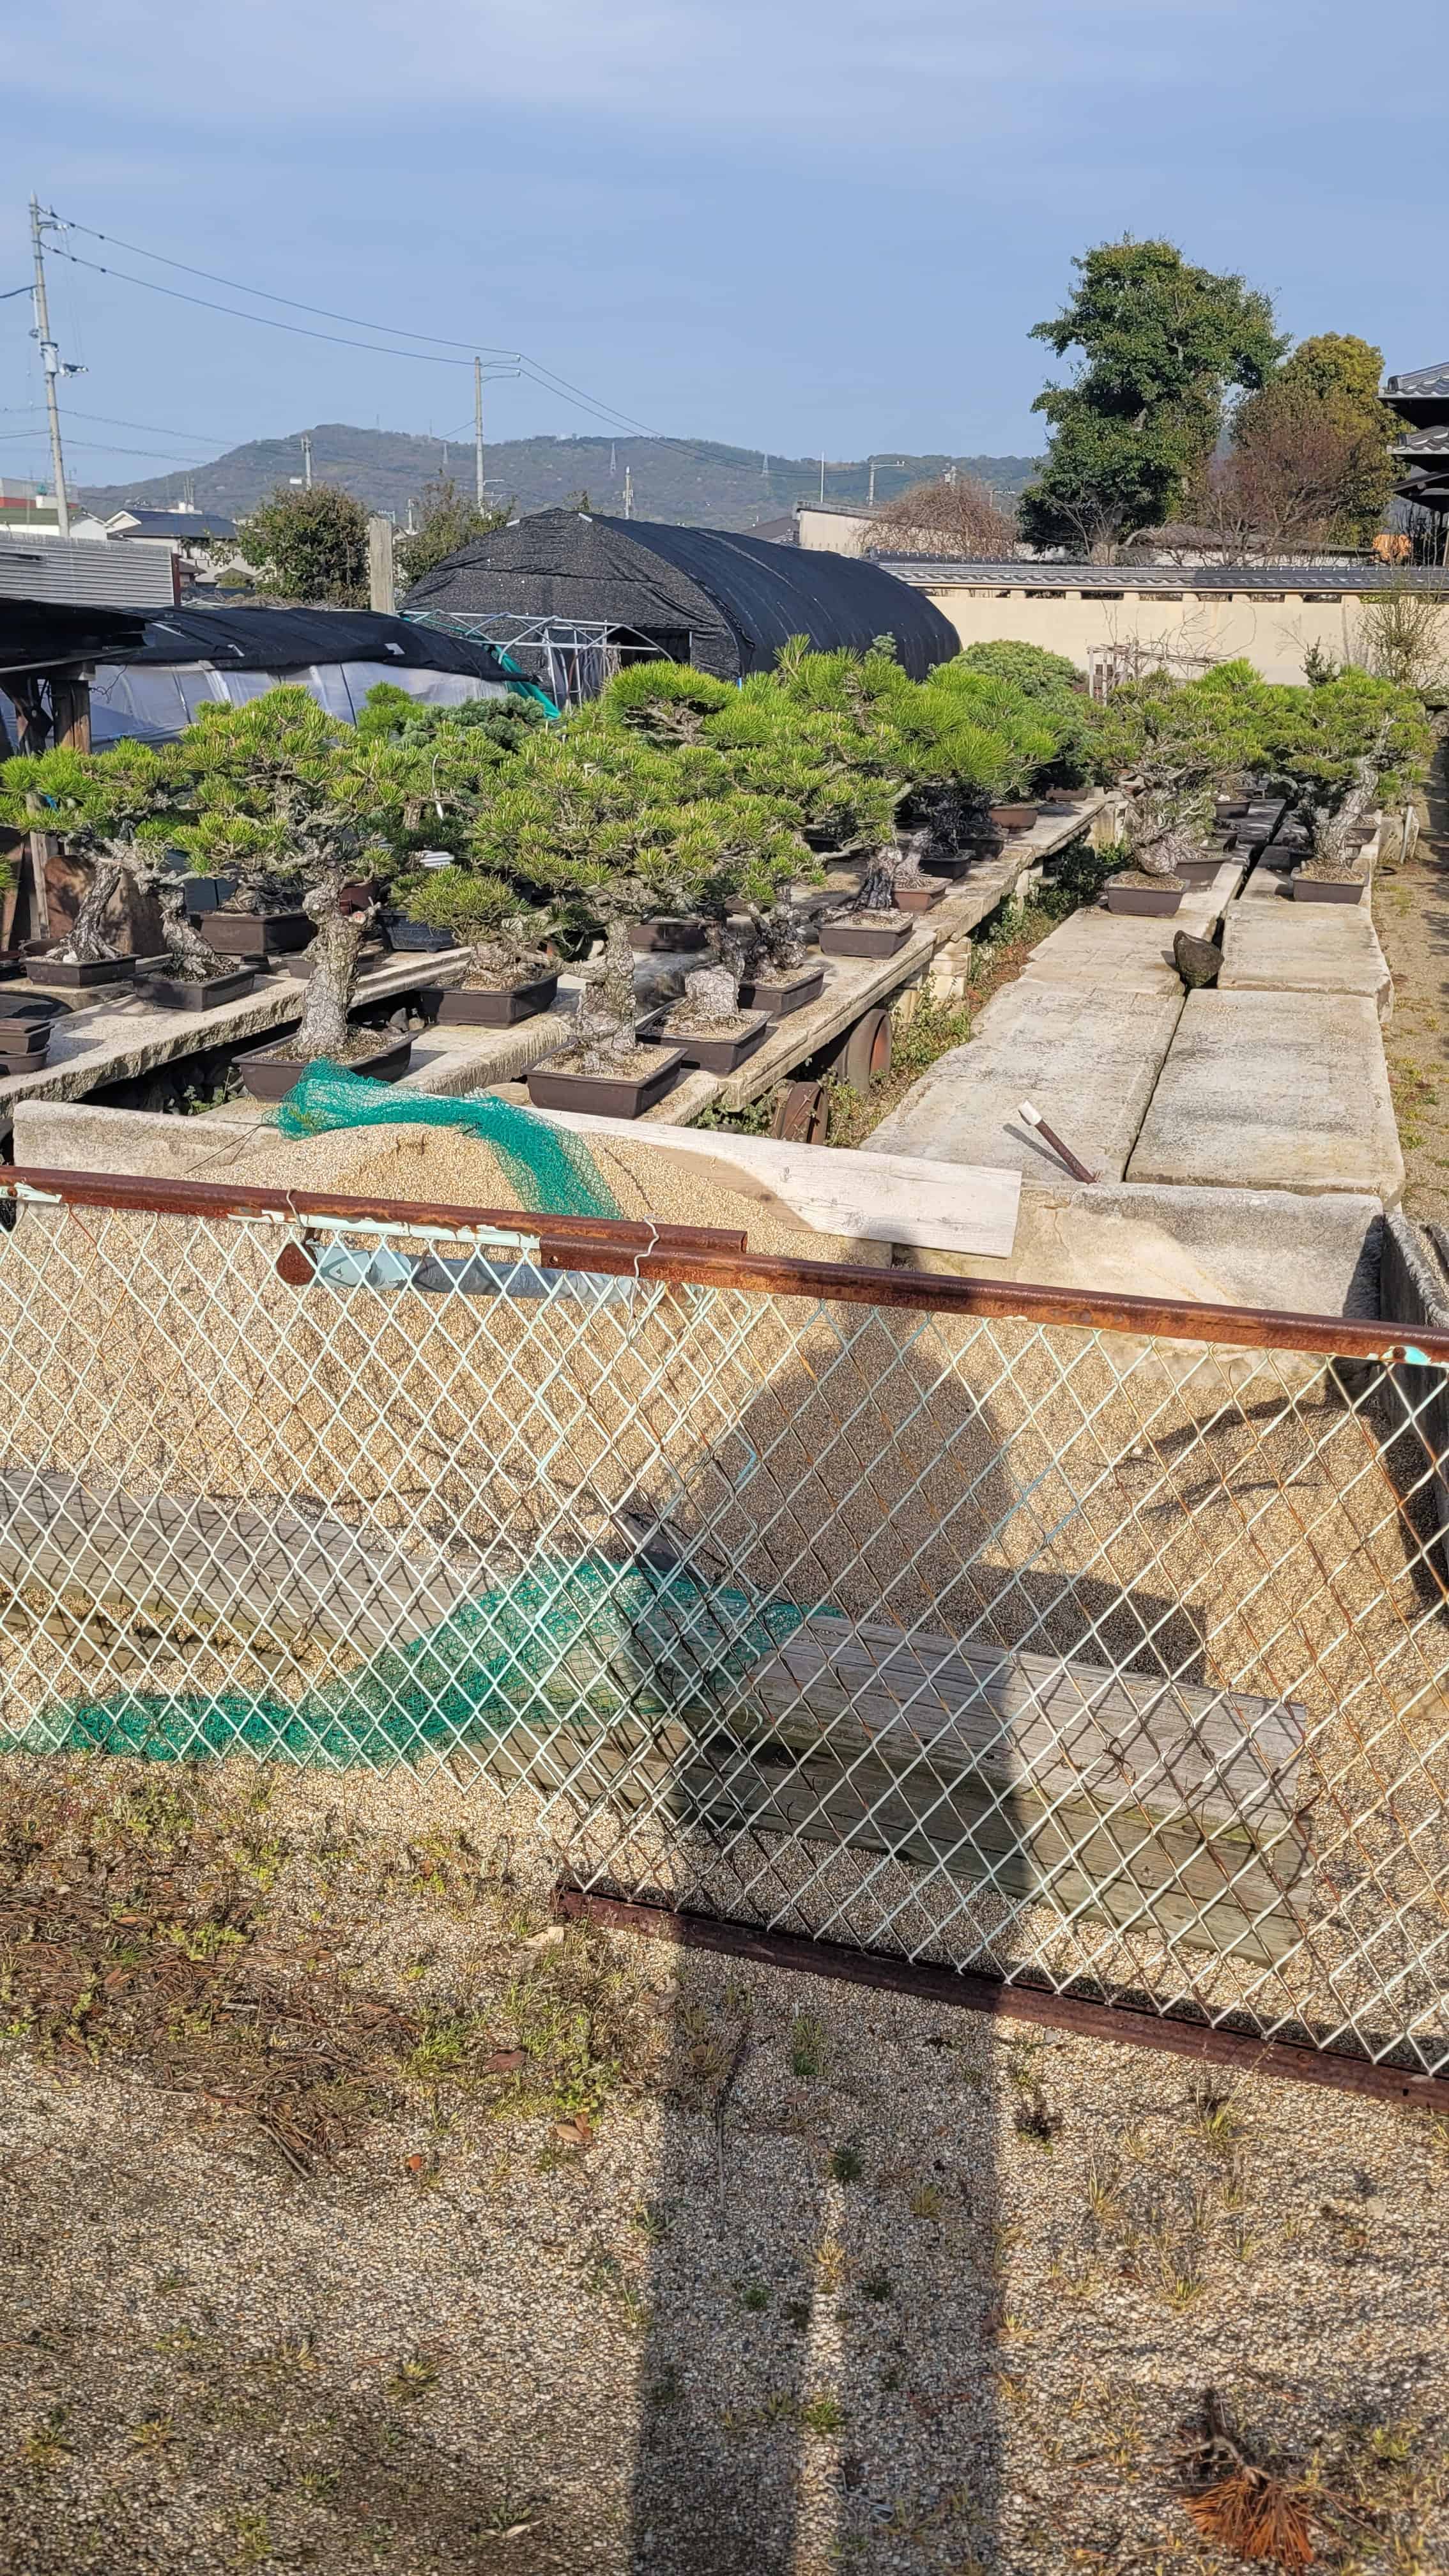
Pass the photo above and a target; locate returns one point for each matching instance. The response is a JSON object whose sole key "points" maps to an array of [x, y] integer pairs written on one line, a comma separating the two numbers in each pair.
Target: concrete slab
{"points": [[1271, 1248], [1268, 885], [1087, 1058], [1305, 948], [1284, 1091], [1134, 954]]}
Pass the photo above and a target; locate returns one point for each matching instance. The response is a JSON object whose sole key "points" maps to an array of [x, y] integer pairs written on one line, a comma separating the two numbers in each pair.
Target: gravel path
{"points": [[736, 2270]]}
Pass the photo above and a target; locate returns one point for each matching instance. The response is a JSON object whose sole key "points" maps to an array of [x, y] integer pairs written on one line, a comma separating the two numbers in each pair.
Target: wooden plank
{"points": [[870, 1198], [1037, 1721]]}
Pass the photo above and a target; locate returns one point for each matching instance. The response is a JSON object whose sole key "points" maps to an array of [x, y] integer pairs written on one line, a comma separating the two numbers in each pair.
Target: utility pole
{"points": [[870, 496], [478, 428], [381, 590], [307, 460], [628, 492], [51, 363]]}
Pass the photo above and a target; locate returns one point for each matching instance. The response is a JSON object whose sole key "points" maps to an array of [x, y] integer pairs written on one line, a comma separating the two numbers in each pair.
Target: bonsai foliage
{"points": [[284, 797], [120, 810], [1161, 342], [1342, 749], [494, 727], [484, 914], [309, 546], [1177, 743]]}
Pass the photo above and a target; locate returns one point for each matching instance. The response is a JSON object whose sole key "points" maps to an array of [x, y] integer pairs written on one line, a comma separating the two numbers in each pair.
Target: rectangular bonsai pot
{"points": [[1013, 818], [13, 1066], [1327, 889], [494, 1006], [718, 1055], [604, 1095], [919, 898], [415, 935], [99, 970], [1160, 900], [1199, 872], [256, 934], [664, 933], [271, 1077], [189, 993], [861, 939], [780, 997]]}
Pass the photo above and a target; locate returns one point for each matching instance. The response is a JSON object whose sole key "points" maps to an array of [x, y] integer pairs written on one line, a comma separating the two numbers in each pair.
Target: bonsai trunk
{"points": [[324, 1029], [711, 999], [1329, 829], [187, 949], [606, 1025], [878, 886], [86, 940], [780, 937]]}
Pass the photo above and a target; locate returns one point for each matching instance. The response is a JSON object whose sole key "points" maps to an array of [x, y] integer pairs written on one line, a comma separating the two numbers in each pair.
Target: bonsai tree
{"points": [[1342, 749], [119, 810], [485, 915], [1176, 742], [290, 801]]}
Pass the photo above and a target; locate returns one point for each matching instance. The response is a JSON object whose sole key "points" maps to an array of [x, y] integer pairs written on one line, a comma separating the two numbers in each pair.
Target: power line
{"points": [[264, 321]]}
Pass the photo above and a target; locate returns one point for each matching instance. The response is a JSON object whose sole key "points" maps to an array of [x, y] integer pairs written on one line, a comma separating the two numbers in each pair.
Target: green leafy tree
{"points": [[120, 811], [309, 546], [1311, 452], [1343, 748], [1161, 343], [448, 519]]}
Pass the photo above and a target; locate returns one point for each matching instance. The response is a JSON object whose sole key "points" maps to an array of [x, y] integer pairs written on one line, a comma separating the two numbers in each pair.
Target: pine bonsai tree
{"points": [[121, 810], [1175, 743]]}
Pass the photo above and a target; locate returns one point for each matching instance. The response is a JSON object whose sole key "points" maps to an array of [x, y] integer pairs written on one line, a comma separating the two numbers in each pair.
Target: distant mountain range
{"points": [[693, 482]]}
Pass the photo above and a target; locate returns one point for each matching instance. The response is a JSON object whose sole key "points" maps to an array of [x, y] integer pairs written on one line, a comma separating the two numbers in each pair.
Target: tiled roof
{"points": [[1424, 442], [926, 573], [1420, 382]]}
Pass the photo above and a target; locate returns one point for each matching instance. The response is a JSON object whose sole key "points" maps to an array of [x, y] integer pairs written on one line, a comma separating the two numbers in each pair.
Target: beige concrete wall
{"points": [[1272, 634], [830, 532]]}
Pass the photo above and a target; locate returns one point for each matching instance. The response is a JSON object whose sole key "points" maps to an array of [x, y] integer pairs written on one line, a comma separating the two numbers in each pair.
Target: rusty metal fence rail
{"points": [[1092, 1646]]}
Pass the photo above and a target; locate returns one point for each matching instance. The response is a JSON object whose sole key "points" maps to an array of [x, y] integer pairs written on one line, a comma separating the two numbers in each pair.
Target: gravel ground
{"points": [[820, 2279], [1411, 916]]}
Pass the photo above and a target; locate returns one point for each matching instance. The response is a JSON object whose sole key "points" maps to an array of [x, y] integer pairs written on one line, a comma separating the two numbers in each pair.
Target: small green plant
{"points": [[846, 2163], [822, 2415], [808, 2047], [755, 2297], [253, 2538], [925, 2200], [877, 2288], [45, 2445], [412, 2380]]}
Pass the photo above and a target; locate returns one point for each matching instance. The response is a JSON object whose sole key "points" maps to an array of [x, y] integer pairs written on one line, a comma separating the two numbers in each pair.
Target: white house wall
{"points": [[1272, 634]]}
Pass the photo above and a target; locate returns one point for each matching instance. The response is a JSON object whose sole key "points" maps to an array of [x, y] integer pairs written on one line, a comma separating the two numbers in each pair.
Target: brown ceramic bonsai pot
{"points": [[269, 1076], [1013, 818], [718, 1055], [645, 937], [605, 1095], [98, 970], [911, 898], [494, 1006], [13, 1067], [1326, 889], [190, 993], [1158, 900], [864, 938], [1200, 872], [779, 996], [256, 934]]}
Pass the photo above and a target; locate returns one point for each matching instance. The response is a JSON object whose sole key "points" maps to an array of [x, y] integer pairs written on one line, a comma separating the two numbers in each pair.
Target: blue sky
{"points": [[794, 225]]}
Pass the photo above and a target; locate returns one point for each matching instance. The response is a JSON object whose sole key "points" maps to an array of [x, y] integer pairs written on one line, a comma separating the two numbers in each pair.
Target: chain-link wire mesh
{"points": [[1103, 1660]]}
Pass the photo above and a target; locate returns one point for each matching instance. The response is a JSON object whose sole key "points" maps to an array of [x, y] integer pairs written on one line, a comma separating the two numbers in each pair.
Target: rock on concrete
{"points": [[1086, 1057], [1128, 950], [1284, 1091], [1305, 948]]}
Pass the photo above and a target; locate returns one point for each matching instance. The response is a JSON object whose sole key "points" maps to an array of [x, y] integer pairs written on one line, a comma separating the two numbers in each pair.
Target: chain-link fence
{"points": [[1093, 1645]]}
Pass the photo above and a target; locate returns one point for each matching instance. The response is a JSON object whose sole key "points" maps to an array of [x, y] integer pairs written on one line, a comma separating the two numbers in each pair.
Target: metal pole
{"points": [[478, 428], [306, 460], [870, 496], [50, 361], [628, 492]]}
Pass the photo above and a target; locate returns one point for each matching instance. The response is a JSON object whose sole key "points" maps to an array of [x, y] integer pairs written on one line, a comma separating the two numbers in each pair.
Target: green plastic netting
{"points": [[553, 1173], [571, 1643]]}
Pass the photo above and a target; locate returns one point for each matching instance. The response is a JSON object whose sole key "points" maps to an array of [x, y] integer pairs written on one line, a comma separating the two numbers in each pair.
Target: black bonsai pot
{"points": [[646, 937], [864, 938], [256, 934], [779, 995], [494, 1006], [717, 1054], [191, 993], [270, 1076], [71, 977], [606, 1095]]}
